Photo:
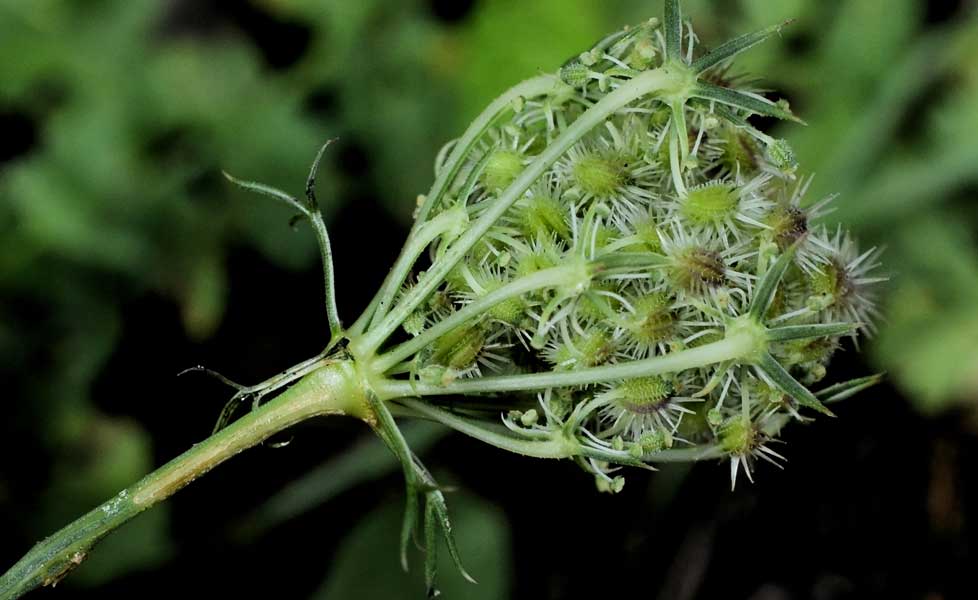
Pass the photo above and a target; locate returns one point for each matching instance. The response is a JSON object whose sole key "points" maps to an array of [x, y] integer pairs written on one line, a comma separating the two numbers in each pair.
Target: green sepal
{"points": [[764, 294], [789, 385], [313, 172], [267, 190], [430, 549], [847, 389], [673, 24], [708, 91], [816, 330], [735, 46]]}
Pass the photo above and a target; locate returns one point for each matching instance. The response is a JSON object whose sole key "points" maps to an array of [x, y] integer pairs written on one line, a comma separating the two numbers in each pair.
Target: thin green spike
{"points": [[437, 499], [817, 330], [764, 294], [315, 215], [789, 385], [430, 549], [227, 412], [847, 389], [267, 190], [408, 525], [728, 114], [708, 91], [673, 23], [313, 171], [391, 435], [736, 46], [310, 211]]}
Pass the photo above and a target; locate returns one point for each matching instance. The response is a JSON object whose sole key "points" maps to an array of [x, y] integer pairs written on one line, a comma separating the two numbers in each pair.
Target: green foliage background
{"points": [[137, 112]]}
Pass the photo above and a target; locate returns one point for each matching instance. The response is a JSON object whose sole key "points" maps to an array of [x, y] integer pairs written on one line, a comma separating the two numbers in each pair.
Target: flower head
{"points": [[657, 233]]}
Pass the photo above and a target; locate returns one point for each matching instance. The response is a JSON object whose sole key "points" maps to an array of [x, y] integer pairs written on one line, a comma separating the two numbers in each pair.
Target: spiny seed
{"points": [[739, 151], [699, 267], [458, 348], [598, 176], [644, 395], [653, 321], [509, 311], [788, 223], [710, 203], [832, 281], [647, 233], [738, 436], [502, 167], [574, 74], [543, 216]]}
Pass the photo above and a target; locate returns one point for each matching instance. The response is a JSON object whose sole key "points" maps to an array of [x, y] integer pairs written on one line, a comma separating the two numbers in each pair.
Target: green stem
{"points": [[415, 245], [331, 390], [734, 346], [551, 448], [326, 255], [363, 320], [657, 80], [529, 88], [557, 446], [568, 274]]}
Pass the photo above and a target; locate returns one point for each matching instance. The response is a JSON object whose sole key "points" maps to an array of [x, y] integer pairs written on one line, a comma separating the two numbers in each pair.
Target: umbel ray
{"points": [[620, 271]]}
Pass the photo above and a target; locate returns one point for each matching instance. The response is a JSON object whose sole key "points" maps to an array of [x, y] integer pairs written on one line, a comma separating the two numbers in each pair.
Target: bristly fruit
{"points": [[694, 220]]}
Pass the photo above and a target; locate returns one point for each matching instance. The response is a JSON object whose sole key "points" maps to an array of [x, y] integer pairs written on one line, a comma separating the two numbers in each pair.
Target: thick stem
{"points": [[332, 390]]}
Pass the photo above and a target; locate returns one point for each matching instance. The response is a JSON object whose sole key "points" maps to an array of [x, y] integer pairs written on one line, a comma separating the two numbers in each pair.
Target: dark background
{"points": [[879, 503]]}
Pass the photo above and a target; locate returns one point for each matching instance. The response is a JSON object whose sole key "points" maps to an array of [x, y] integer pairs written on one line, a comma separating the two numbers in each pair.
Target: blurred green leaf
{"points": [[508, 41], [930, 342]]}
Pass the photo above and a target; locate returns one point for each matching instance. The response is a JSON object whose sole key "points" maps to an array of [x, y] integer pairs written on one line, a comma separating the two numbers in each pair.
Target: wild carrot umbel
{"points": [[619, 269]]}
